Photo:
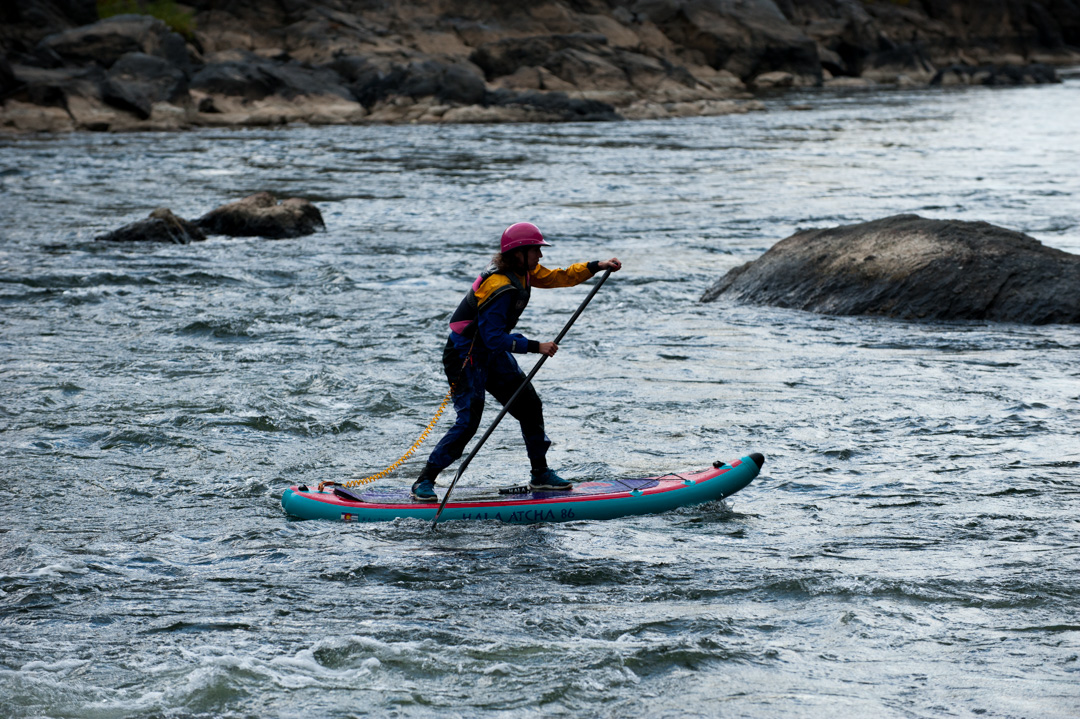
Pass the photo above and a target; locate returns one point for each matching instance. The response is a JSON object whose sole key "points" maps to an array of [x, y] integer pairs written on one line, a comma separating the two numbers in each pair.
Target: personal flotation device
{"points": [[464, 319]]}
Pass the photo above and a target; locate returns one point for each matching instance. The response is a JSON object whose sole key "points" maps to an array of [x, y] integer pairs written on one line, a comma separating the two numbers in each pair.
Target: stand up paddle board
{"points": [[587, 500]]}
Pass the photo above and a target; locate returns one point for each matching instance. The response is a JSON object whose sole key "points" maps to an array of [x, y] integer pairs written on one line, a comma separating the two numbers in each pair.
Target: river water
{"points": [[911, 548]]}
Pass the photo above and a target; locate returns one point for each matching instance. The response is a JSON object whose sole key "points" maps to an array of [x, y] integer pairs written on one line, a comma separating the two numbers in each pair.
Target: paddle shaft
{"points": [[506, 407]]}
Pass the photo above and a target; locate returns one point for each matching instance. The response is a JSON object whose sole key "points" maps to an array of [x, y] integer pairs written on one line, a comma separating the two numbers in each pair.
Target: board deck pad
{"points": [[492, 494]]}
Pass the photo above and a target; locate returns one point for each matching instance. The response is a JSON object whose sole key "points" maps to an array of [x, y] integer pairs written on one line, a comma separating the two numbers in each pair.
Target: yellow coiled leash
{"points": [[419, 440]]}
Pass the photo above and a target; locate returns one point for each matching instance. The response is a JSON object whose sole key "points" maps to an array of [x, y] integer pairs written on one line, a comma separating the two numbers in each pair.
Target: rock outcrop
{"points": [[913, 268], [258, 215], [351, 61], [261, 215], [161, 226]]}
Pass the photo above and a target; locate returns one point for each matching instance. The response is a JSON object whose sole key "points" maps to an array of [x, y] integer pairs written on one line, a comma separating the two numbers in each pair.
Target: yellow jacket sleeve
{"points": [[575, 274]]}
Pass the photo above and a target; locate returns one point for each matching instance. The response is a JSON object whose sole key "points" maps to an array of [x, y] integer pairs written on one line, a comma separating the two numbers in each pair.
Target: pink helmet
{"points": [[522, 234]]}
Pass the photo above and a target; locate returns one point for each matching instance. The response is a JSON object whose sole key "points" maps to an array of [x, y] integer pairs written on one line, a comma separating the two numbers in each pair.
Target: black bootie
{"points": [[423, 489]]}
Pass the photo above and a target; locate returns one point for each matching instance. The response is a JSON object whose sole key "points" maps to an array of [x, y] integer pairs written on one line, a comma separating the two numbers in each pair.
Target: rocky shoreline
{"points": [[248, 63]]}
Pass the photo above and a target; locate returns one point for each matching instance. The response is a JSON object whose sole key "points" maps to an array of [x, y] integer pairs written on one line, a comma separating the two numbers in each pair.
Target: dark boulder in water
{"points": [[909, 267], [161, 226], [260, 215]]}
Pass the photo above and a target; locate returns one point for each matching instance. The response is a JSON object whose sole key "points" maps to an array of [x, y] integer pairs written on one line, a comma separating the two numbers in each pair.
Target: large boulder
{"points": [[89, 98], [106, 41], [458, 83], [127, 72], [260, 215], [372, 81], [137, 80], [161, 226], [52, 87], [910, 267], [77, 92], [243, 74]]}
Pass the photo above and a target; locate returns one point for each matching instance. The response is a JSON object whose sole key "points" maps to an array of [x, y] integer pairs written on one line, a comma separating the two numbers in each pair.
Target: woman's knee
{"points": [[468, 417], [473, 424], [528, 405]]}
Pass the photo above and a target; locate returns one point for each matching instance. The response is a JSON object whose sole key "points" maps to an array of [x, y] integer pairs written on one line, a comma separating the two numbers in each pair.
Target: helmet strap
{"points": [[518, 262]]}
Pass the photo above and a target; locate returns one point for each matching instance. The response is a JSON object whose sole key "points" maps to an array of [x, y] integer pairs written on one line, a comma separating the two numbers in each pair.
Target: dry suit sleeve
{"points": [[575, 274]]}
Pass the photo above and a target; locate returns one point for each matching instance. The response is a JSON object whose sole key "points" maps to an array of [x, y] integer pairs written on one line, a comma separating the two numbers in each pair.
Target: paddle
{"points": [[506, 407]]}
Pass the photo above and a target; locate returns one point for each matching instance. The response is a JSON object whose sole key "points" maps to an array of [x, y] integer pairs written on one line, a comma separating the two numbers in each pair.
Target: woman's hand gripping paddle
{"points": [[506, 407]]}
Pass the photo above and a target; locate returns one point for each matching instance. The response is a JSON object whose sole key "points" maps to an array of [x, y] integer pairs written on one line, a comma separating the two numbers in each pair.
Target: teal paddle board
{"points": [[589, 500]]}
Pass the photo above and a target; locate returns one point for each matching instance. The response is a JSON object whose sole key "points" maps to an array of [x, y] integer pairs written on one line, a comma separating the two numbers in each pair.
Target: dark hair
{"points": [[503, 260]]}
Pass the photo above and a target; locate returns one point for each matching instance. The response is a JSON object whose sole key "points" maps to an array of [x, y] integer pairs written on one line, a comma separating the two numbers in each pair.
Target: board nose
{"points": [[759, 459]]}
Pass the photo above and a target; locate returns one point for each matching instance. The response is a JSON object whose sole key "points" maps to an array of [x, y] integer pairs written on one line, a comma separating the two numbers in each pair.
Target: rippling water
{"points": [[911, 548]]}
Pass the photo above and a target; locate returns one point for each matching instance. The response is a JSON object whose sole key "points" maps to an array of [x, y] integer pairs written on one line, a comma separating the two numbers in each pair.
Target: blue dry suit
{"points": [[479, 358]]}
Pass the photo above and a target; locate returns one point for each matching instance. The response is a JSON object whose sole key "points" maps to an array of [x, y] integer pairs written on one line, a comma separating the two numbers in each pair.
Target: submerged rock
{"points": [[161, 226], [910, 267], [260, 215]]}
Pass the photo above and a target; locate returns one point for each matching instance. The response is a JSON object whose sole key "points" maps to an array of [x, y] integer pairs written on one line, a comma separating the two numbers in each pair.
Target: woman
{"points": [[478, 357]]}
